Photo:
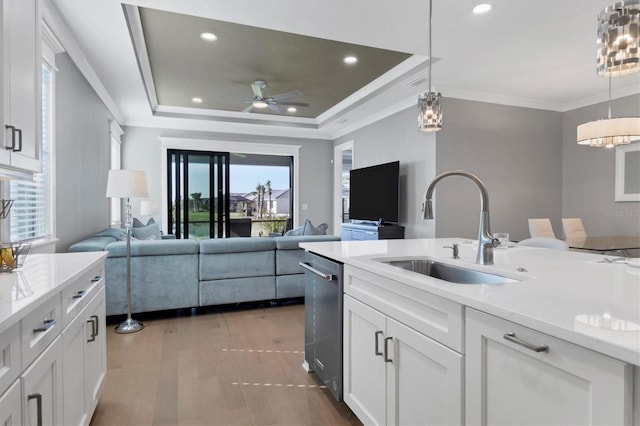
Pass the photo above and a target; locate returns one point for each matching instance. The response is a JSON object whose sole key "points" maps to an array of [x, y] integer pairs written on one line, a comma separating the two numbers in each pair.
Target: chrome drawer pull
{"points": [[327, 277], [378, 333], [96, 279], [536, 348], [79, 294], [47, 324], [386, 350], [38, 398]]}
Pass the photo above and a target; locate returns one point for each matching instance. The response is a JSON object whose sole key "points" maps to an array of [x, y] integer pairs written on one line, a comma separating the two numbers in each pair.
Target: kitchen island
{"points": [[52, 339], [559, 344]]}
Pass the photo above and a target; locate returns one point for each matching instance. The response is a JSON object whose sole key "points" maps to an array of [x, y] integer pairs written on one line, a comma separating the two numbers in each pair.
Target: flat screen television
{"points": [[373, 193]]}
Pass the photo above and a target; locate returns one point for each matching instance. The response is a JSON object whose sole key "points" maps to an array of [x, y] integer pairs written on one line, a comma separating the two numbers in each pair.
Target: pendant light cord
{"points": [[430, 57]]}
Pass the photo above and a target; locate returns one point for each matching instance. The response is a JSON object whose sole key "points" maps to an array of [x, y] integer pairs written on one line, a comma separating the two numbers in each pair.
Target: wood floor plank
{"points": [[223, 367]]}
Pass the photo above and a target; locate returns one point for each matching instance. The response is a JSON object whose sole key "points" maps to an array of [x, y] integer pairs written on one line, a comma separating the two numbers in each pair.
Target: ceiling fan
{"points": [[260, 101]]}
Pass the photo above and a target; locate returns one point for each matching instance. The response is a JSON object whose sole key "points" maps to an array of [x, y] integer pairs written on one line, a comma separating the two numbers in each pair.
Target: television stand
{"points": [[371, 231]]}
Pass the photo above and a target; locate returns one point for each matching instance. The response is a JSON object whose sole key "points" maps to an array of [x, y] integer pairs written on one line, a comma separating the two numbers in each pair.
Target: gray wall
{"points": [[397, 138], [516, 152], [82, 156], [589, 175], [141, 150]]}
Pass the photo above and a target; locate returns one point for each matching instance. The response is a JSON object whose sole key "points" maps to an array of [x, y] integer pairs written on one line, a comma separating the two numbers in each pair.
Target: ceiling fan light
{"points": [[609, 132], [260, 104]]}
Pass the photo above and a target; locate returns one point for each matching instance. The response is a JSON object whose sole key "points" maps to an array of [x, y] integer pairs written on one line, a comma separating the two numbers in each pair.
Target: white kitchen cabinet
{"points": [[42, 388], [515, 375], [11, 406], [395, 375], [20, 110], [84, 366]]}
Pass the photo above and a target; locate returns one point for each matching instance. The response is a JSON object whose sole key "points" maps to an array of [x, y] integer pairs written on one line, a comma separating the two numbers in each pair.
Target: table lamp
{"points": [[128, 184]]}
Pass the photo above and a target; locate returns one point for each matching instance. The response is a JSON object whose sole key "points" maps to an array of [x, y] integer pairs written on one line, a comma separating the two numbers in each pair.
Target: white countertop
{"points": [[41, 276], [563, 294]]}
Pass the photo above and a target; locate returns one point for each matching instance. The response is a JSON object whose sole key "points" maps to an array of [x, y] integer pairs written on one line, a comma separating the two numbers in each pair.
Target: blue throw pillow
{"points": [[309, 229], [138, 224], [151, 232], [294, 232]]}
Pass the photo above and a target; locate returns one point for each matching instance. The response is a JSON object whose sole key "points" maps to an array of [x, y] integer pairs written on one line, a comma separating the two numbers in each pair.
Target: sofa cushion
{"points": [[215, 266], [236, 245], [92, 244], [291, 243], [237, 290], [117, 233], [151, 232], [153, 248]]}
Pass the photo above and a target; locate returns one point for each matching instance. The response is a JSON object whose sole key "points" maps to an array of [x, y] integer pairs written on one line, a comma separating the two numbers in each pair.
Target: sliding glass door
{"points": [[198, 194]]}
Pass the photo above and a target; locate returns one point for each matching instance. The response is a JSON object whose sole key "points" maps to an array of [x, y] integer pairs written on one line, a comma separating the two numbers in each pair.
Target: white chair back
{"points": [[541, 228], [572, 227], [550, 243]]}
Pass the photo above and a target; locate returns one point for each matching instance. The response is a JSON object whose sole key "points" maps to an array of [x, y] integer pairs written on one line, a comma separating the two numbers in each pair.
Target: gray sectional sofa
{"points": [[174, 274]]}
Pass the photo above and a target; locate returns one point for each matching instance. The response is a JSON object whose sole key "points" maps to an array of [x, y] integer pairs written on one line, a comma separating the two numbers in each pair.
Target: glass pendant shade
{"points": [[429, 112], [609, 132], [619, 39]]}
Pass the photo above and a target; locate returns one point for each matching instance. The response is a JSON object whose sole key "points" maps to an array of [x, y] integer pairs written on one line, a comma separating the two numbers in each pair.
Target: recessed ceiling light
{"points": [[350, 60], [482, 8], [208, 36], [291, 109], [196, 100]]}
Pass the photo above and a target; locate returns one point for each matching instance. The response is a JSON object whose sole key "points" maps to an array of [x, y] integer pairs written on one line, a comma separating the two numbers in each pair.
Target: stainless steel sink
{"points": [[446, 272]]}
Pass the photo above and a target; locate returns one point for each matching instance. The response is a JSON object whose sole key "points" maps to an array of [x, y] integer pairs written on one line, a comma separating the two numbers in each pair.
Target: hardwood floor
{"points": [[222, 367]]}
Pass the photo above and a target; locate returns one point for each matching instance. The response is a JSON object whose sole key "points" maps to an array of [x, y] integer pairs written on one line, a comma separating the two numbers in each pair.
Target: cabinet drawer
{"points": [[431, 315], [11, 406], [77, 295], [39, 328], [10, 354]]}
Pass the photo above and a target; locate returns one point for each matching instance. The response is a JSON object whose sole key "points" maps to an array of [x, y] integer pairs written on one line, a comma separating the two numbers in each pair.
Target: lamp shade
{"points": [[127, 184], [609, 132]]}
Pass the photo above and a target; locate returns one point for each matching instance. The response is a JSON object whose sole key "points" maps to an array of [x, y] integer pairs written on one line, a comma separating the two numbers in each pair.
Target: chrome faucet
{"points": [[486, 242]]}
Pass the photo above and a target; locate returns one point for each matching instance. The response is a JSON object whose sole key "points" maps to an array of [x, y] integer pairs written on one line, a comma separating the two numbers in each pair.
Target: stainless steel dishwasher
{"points": [[323, 321]]}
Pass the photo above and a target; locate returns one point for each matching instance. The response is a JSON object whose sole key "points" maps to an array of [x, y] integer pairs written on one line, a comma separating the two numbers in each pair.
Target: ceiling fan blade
{"points": [[247, 109], [275, 108], [302, 104], [257, 87], [287, 95]]}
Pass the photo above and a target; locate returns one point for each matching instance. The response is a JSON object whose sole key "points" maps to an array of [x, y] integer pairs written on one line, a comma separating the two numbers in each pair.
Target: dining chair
{"points": [[541, 228], [572, 227], [550, 243]]}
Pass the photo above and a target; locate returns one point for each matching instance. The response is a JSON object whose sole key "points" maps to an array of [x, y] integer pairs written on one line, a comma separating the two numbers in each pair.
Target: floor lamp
{"points": [[128, 184]]}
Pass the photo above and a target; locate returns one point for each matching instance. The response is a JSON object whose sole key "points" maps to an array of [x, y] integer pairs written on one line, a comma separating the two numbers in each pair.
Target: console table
{"points": [[371, 231]]}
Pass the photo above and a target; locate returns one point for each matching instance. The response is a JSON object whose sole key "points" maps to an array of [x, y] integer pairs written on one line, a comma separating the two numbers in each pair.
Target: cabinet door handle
{"points": [[378, 353], [38, 398], [326, 277], [94, 328], [536, 348], [386, 349], [46, 325], [19, 148], [13, 137], [96, 279], [79, 294]]}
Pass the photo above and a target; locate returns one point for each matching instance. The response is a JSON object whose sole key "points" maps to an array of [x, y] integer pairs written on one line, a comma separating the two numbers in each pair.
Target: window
{"points": [[32, 214], [116, 203]]}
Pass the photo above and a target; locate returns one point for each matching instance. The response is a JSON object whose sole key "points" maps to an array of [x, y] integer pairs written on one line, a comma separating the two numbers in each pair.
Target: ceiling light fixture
{"points": [[259, 103], [619, 39], [350, 60], [482, 8], [292, 109], [196, 100], [429, 105], [609, 132], [208, 36]]}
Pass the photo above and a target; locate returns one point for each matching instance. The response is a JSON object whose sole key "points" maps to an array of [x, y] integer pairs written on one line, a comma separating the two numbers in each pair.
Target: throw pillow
{"points": [[145, 232], [294, 232], [322, 228], [138, 224], [309, 229]]}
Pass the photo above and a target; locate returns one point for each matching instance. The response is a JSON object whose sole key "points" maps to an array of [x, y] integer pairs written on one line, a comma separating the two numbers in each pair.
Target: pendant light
{"points": [[618, 55], [429, 106], [610, 131]]}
